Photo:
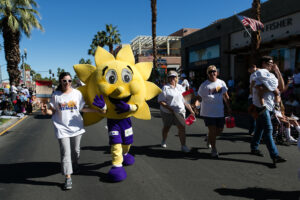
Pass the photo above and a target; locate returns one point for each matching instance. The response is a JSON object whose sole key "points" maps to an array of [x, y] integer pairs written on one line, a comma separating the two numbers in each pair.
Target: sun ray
{"points": [[90, 118], [145, 69], [84, 71], [143, 112], [151, 90], [102, 56], [126, 55]]}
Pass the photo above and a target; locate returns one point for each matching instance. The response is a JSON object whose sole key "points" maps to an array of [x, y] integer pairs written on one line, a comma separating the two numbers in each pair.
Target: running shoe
{"points": [[68, 184], [185, 149], [163, 144], [214, 153]]}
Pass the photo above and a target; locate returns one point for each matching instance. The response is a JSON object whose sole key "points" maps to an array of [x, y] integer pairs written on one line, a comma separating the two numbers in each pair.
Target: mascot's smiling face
{"points": [[117, 79]]}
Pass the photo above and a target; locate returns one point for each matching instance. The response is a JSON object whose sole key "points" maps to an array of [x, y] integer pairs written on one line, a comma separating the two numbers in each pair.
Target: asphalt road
{"points": [[30, 165]]}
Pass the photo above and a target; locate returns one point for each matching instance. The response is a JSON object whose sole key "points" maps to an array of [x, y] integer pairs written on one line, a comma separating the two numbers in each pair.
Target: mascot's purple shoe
{"points": [[117, 174], [128, 159]]}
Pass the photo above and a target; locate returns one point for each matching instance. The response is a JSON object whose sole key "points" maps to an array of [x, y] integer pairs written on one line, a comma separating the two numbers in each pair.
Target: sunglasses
{"points": [[212, 71], [67, 81]]}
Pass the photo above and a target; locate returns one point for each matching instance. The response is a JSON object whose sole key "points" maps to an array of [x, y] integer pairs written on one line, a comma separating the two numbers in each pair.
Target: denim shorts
{"points": [[214, 121]]}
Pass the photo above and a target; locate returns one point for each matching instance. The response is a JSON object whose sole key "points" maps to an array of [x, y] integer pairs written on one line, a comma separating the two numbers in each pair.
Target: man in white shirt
{"points": [[264, 126]]}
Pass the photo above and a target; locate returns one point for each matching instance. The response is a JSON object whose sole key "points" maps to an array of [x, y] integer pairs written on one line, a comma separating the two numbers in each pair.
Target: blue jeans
{"points": [[252, 120], [264, 129]]}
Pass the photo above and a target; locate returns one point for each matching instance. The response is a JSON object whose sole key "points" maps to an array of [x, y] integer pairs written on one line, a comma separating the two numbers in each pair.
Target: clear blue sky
{"points": [[71, 25]]}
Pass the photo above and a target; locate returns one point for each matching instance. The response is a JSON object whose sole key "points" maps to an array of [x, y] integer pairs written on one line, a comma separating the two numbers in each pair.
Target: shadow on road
{"points": [[105, 149], [88, 169], [259, 193], [194, 154], [40, 116], [24, 173]]}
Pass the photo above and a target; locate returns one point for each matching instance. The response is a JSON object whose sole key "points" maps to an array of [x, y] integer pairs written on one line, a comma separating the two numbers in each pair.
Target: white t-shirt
{"points": [[67, 119], [252, 78], [270, 81], [14, 89], [173, 97], [263, 76], [185, 84], [212, 98]]}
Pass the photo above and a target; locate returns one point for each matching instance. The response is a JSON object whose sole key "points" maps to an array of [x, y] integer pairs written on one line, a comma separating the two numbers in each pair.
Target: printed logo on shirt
{"points": [[216, 90], [128, 132], [71, 105], [113, 133]]}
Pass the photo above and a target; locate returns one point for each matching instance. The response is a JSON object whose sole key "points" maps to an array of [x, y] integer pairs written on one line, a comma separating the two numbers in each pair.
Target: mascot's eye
{"points": [[111, 76], [126, 75]]}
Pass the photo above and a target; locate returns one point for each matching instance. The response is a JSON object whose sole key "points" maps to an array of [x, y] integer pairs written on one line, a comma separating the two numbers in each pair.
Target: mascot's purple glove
{"points": [[99, 101], [122, 107]]}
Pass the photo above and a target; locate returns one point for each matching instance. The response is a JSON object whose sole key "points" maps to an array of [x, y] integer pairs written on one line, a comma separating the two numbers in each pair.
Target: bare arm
{"points": [[188, 106], [164, 104], [226, 100], [93, 110], [47, 111], [281, 84]]}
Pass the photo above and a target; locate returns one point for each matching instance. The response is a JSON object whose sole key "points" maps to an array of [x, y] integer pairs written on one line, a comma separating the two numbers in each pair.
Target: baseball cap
{"points": [[172, 73]]}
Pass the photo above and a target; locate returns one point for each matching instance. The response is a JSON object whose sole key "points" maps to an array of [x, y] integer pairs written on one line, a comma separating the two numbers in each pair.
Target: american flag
{"points": [[254, 24]]}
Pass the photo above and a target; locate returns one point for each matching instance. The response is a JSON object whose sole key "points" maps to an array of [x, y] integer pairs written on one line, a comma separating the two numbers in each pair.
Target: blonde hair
{"points": [[211, 67]]}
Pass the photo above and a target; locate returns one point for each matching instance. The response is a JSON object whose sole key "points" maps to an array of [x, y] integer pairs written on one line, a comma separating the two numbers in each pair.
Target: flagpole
{"points": [[243, 25]]}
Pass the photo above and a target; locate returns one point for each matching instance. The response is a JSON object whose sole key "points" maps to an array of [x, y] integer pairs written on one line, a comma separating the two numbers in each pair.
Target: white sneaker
{"points": [[208, 145], [185, 149], [163, 144], [214, 153], [292, 140]]}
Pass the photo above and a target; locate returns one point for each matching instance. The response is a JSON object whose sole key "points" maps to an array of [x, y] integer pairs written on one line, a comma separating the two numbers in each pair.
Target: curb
{"points": [[10, 124]]}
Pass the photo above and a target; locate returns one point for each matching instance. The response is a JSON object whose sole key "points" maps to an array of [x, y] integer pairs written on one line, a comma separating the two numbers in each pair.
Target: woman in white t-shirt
{"points": [[212, 92], [172, 107], [65, 107]]}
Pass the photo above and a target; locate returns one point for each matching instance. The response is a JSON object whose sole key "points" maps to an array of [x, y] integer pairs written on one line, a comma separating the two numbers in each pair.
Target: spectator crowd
{"points": [[16, 100]]}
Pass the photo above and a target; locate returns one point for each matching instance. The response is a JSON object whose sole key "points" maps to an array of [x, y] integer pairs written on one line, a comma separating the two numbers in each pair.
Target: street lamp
{"points": [[24, 56]]}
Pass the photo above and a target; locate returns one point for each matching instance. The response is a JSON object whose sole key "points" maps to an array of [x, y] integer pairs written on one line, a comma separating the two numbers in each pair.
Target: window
{"points": [[204, 53]]}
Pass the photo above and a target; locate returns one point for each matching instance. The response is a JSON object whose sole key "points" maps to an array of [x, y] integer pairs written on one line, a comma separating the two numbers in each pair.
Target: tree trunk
{"points": [[12, 53], [256, 38], [154, 14], [111, 49]]}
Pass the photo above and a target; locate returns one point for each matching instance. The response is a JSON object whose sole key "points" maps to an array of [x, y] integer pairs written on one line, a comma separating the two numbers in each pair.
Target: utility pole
{"points": [[24, 56]]}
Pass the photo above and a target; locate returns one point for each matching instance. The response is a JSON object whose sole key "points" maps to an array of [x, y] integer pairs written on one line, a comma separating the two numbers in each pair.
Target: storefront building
{"points": [[226, 44]]}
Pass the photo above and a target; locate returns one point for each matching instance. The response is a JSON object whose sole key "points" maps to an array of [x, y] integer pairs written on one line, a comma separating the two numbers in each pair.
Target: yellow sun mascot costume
{"points": [[120, 88]]}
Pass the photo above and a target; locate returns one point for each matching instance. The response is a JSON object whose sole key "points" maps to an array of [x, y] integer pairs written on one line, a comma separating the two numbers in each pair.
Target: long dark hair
{"points": [[61, 76]]}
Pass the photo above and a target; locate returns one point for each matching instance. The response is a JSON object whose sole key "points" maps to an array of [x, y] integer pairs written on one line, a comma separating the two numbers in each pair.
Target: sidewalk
{"points": [[10, 123]]}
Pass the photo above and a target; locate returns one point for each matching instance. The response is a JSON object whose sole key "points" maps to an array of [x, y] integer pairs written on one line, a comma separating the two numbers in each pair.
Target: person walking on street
{"points": [[65, 107], [212, 92], [264, 126], [172, 109]]}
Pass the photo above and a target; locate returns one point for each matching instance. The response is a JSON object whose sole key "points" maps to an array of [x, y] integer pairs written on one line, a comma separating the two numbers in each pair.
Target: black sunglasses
{"points": [[67, 81], [212, 71]]}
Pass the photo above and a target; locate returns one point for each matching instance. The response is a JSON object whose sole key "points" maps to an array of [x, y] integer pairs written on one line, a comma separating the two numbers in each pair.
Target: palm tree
{"points": [[255, 35], [83, 61], [99, 40], [16, 16], [154, 14], [109, 37], [112, 36]]}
